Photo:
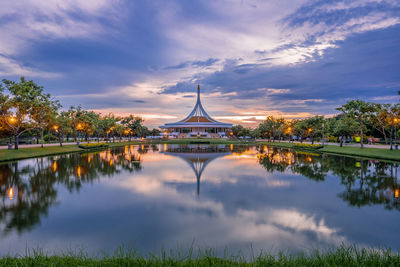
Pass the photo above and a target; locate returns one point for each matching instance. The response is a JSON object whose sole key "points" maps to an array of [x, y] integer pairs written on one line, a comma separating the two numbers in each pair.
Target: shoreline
{"points": [[350, 151]]}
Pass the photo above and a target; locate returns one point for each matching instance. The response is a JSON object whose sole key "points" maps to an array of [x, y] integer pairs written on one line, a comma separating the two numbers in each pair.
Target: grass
{"points": [[366, 152], [342, 256], [370, 152], [34, 152]]}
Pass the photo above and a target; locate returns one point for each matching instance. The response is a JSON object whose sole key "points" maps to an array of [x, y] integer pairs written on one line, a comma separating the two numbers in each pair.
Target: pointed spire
{"points": [[198, 91]]}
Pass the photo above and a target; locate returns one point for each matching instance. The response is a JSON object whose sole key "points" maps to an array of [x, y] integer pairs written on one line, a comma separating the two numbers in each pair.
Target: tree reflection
{"points": [[367, 182], [29, 188]]}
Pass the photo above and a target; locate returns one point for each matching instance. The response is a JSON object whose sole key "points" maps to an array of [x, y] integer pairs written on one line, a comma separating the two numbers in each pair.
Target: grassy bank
{"points": [[366, 152], [375, 153], [33, 152], [338, 257]]}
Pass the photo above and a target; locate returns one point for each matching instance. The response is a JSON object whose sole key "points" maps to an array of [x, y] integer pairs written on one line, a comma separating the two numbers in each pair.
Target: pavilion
{"points": [[197, 124], [198, 157]]}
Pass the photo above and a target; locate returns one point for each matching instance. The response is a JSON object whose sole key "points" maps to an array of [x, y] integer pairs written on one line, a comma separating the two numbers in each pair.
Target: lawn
{"points": [[33, 152], [366, 152], [376, 153]]}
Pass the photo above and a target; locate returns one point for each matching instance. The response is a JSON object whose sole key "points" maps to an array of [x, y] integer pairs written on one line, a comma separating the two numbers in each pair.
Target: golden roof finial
{"points": [[198, 85]]}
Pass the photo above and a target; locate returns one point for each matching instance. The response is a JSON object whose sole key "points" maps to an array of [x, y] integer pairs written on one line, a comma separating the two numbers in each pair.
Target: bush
{"points": [[307, 146], [93, 145]]}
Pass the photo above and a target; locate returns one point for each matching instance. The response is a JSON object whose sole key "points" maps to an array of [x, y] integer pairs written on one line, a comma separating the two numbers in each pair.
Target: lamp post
{"points": [[395, 132], [78, 128], [12, 121]]}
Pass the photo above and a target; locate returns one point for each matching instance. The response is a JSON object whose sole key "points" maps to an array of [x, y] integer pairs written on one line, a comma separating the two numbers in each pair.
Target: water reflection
{"points": [[28, 188], [366, 182], [264, 196], [198, 156]]}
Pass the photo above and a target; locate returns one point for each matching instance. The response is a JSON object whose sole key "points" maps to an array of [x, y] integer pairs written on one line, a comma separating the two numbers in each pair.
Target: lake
{"points": [[238, 198]]}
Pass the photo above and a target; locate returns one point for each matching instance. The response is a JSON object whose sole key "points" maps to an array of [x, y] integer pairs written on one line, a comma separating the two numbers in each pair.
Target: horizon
{"points": [[252, 58]]}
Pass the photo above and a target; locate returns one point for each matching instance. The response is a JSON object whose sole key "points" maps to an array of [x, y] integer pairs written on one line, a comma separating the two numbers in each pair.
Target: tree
{"points": [[83, 121], [379, 119], [44, 113], [107, 124], [359, 110], [345, 126], [134, 124], [20, 106], [313, 126], [62, 125], [392, 112], [155, 132], [300, 129], [236, 129]]}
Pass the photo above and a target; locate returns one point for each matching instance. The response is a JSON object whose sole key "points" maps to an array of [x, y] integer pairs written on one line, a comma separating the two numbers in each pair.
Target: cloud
{"points": [[27, 21], [262, 57]]}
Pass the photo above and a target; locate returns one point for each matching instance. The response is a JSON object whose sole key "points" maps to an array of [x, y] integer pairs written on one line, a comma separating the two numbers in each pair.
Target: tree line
{"points": [[357, 119], [26, 109]]}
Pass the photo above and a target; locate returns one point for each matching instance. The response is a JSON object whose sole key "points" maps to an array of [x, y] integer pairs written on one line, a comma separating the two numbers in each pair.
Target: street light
{"points": [[395, 131], [12, 120]]}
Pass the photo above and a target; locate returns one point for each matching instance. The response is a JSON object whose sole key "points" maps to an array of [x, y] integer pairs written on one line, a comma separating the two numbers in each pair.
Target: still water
{"points": [[170, 196]]}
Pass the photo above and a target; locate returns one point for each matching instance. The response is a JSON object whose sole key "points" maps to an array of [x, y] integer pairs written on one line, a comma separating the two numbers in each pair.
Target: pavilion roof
{"points": [[198, 118]]}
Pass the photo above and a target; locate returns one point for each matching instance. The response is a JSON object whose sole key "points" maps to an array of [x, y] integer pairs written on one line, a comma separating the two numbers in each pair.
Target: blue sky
{"points": [[253, 58]]}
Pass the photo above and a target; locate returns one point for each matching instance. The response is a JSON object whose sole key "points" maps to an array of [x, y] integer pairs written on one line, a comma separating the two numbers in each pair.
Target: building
{"points": [[197, 124]]}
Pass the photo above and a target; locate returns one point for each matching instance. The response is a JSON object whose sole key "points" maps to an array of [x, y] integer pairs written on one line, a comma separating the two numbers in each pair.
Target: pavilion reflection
{"points": [[198, 156], [29, 188], [366, 182]]}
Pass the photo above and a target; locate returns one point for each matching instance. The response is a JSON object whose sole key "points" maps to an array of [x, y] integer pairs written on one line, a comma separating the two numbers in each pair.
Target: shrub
{"points": [[93, 145], [307, 146]]}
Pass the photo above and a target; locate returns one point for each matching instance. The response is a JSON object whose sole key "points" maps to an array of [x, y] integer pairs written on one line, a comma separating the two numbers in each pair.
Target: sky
{"points": [[291, 59]]}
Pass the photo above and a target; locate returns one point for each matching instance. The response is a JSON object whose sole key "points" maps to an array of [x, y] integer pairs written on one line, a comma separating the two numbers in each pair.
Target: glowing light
{"points": [[11, 193], [79, 126], [310, 130], [396, 193], [79, 171], [231, 146], [111, 162], [54, 166], [55, 127], [12, 120]]}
